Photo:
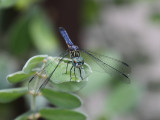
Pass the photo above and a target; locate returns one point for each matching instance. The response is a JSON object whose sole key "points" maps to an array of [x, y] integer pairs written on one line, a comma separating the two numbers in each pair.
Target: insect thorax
{"points": [[74, 53]]}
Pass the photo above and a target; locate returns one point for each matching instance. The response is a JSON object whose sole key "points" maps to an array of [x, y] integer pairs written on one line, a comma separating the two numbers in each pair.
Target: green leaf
{"points": [[7, 3], [60, 80], [23, 4], [5, 69], [96, 82], [19, 38], [61, 114], [60, 76], [70, 86], [33, 62], [24, 116], [43, 36], [30, 115], [18, 76], [155, 17], [64, 81], [9, 95], [123, 98], [90, 11], [62, 99]]}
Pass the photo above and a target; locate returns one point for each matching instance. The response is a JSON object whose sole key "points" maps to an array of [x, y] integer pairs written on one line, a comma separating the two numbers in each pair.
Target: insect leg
{"points": [[67, 66], [71, 72], [75, 72], [48, 78], [80, 73]]}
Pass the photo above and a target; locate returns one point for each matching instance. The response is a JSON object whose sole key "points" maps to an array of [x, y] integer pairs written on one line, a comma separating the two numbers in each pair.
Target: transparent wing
{"points": [[37, 79], [53, 70], [106, 64], [41, 77]]}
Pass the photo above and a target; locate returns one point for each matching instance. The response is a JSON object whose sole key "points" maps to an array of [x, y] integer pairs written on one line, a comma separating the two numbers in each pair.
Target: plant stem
{"points": [[35, 93], [33, 108]]}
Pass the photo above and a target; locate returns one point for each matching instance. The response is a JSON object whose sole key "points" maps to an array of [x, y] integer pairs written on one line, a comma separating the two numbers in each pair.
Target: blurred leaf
{"points": [[42, 34], [123, 98], [9, 95], [62, 99], [99, 79], [23, 4], [61, 114], [33, 62], [121, 2], [18, 76], [24, 116], [155, 17], [7, 3], [96, 82], [70, 86], [103, 118], [6, 69], [19, 39], [90, 11]]}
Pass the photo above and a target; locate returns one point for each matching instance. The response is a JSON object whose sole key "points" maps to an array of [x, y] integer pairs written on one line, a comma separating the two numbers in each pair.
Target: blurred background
{"points": [[128, 30]]}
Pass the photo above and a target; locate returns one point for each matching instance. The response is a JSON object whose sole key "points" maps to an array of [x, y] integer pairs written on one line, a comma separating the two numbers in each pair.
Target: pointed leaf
{"points": [[24, 116], [70, 86], [43, 37], [19, 38], [7, 3], [9, 95], [18, 76], [61, 114], [33, 62], [62, 99]]}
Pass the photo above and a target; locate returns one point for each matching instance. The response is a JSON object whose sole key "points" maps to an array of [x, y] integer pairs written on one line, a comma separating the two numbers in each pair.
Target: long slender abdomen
{"points": [[65, 36]]}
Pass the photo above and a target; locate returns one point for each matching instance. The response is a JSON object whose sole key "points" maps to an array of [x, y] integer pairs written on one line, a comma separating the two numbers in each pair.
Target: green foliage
{"points": [[33, 62], [28, 69], [19, 36], [62, 99], [32, 29], [90, 11], [20, 4], [9, 95], [7, 3], [71, 86], [97, 81], [24, 4], [42, 35], [5, 69], [42, 64], [60, 76], [155, 17], [121, 2], [24, 116], [122, 99], [61, 114], [18, 76]]}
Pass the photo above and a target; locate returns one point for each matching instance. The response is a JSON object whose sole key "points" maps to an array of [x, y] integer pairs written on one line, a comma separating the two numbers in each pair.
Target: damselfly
{"points": [[80, 56]]}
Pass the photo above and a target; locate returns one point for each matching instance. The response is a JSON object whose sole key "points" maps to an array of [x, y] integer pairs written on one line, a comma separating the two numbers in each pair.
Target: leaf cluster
{"points": [[60, 95]]}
